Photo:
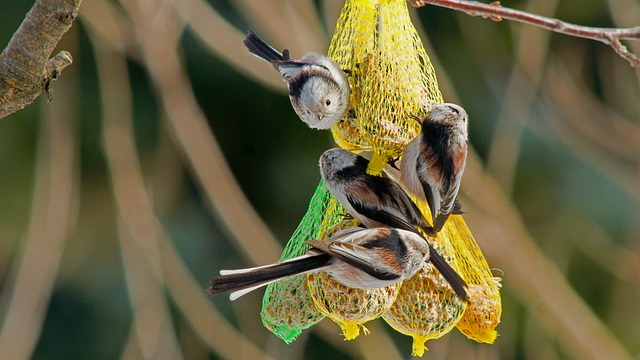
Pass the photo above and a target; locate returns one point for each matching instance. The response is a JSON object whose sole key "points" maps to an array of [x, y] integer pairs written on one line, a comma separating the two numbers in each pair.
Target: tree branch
{"points": [[25, 67], [495, 11]]}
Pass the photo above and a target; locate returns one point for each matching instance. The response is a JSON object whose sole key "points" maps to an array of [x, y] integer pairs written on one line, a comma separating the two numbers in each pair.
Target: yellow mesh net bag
{"points": [[391, 77], [350, 308], [425, 308]]}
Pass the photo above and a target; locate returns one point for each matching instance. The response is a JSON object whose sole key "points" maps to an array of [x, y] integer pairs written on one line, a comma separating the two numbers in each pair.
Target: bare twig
{"points": [[495, 11], [25, 67]]}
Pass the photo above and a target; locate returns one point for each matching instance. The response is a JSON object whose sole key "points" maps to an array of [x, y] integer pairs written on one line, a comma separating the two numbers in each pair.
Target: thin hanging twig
{"points": [[496, 12]]}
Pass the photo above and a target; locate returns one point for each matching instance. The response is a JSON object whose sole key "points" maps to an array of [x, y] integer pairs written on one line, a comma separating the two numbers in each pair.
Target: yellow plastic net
{"points": [[391, 78], [425, 308], [350, 308]]}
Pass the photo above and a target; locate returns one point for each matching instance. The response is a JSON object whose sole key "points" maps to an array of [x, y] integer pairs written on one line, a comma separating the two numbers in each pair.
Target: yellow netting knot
{"points": [[377, 163], [351, 330], [419, 346]]}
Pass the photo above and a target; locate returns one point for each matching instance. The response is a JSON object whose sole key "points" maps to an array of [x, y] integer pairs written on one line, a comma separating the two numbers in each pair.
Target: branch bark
{"points": [[495, 11], [25, 67]]}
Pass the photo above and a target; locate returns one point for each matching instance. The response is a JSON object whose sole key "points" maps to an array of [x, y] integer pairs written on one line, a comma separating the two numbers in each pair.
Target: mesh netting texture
{"points": [[391, 78]]}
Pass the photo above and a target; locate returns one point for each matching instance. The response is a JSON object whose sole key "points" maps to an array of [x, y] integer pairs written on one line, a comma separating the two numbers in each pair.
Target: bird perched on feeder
{"points": [[356, 257], [318, 87], [433, 162], [378, 201]]}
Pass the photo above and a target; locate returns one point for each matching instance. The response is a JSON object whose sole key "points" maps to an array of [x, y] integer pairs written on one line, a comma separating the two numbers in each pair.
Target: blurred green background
{"points": [[105, 247]]}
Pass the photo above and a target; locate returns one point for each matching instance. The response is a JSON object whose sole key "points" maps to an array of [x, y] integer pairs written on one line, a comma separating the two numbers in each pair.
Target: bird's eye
{"points": [[327, 102], [454, 110]]}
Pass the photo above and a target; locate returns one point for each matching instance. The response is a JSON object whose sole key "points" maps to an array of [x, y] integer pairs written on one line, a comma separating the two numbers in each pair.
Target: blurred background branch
{"points": [[176, 163], [31, 279]]}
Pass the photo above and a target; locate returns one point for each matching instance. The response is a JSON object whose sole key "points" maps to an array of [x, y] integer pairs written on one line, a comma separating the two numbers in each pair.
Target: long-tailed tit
{"points": [[356, 257], [433, 163], [378, 201], [318, 88]]}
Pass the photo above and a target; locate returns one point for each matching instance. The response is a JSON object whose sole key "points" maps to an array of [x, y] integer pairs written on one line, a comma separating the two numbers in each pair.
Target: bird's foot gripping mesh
{"points": [[391, 78]]}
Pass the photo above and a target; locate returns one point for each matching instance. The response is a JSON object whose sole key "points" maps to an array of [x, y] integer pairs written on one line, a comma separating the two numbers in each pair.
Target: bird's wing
{"points": [[389, 217], [261, 49], [341, 235], [290, 69], [449, 192], [447, 205], [432, 195], [365, 259], [407, 207], [345, 235], [457, 208], [453, 278]]}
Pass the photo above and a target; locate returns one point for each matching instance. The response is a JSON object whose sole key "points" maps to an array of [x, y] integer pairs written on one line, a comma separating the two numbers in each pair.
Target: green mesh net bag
{"points": [[391, 78]]}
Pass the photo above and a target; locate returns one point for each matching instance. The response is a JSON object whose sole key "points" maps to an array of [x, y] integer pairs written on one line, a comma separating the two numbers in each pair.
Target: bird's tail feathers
{"points": [[441, 219], [253, 269], [428, 229], [261, 49], [243, 281], [457, 208], [238, 293], [439, 222], [455, 281]]}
